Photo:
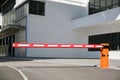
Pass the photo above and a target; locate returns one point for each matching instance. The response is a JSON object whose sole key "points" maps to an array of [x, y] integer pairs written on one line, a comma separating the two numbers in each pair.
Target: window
{"points": [[113, 39], [115, 2], [21, 11], [37, 8], [0, 42], [8, 18], [101, 5], [8, 6], [108, 3], [3, 41]]}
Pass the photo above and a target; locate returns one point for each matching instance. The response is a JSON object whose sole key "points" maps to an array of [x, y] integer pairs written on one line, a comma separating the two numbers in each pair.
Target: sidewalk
{"points": [[35, 62]]}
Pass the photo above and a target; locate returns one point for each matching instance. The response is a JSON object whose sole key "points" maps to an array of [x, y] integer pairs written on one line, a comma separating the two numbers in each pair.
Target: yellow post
{"points": [[104, 56]]}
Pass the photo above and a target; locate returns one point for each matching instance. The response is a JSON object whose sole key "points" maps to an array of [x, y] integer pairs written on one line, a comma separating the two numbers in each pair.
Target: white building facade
{"points": [[62, 22]]}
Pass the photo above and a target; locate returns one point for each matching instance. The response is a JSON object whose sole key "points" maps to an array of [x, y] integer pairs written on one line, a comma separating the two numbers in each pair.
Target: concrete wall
{"points": [[98, 18], [55, 27], [20, 36], [83, 3], [114, 55]]}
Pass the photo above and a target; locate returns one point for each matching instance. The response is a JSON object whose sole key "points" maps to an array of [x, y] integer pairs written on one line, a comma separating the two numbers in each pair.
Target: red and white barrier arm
{"points": [[38, 45]]}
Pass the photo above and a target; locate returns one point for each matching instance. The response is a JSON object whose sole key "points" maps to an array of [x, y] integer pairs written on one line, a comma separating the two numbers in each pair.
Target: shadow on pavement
{"points": [[10, 59]]}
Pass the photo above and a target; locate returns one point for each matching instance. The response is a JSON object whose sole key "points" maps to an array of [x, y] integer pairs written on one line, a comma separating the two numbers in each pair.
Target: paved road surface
{"points": [[70, 73], [59, 69], [7, 73]]}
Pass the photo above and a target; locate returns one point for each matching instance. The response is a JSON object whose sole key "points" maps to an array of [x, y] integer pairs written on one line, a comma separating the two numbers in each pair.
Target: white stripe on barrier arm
{"points": [[23, 45], [99, 46], [38, 45], [52, 45], [89, 46], [65, 45], [77, 46]]}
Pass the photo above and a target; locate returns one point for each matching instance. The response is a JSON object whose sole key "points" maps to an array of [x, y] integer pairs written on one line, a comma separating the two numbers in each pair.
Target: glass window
{"points": [[115, 1], [36, 7], [101, 5], [0, 42], [115, 36], [108, 2], [113, 39], [33, 7], [8, 6], [108, 38], [7, 39], [8, 18], [115, 5], [114, 45], [92, 1], [3, 41], [21, 11], [25, 9], [96, 1]]}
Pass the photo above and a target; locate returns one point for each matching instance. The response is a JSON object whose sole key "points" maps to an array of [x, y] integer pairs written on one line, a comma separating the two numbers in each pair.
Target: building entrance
{"points": [[6, 48]]}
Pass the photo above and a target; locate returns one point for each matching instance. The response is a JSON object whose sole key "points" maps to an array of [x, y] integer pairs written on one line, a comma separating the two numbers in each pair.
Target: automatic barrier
{"points": [[104, 49]]}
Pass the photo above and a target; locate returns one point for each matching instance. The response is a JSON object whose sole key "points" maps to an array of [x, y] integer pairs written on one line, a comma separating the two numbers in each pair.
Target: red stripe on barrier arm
{"points": [[40, 45]]}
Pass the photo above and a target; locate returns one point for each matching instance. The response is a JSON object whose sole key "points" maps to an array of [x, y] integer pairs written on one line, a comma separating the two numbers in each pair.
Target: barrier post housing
{"points": [[104, 56]]}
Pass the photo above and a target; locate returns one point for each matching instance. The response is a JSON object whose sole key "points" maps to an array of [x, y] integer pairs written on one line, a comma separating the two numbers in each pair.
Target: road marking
{"points": [[20, 72], [116, 68]]}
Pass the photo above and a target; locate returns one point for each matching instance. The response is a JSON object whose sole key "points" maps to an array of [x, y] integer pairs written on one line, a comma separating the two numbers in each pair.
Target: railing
{"points": [[9, 18]]}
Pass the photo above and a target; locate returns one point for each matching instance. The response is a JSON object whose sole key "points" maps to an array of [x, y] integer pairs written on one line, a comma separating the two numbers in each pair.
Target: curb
{"points": [[116, 68]]}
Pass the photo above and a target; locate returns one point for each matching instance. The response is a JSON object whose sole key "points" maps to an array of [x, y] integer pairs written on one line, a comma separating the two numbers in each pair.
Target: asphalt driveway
{"points": [[58, 69], [70, 73]]}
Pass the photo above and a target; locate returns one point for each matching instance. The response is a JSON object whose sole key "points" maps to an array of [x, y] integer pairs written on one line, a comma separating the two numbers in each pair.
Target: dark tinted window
{"points": [[8, 6], [101, 5], [113, 39], [36, 7]]}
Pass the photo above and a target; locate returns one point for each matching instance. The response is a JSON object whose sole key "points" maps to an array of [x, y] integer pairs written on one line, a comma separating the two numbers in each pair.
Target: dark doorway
{"points": [[11, 51]]}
